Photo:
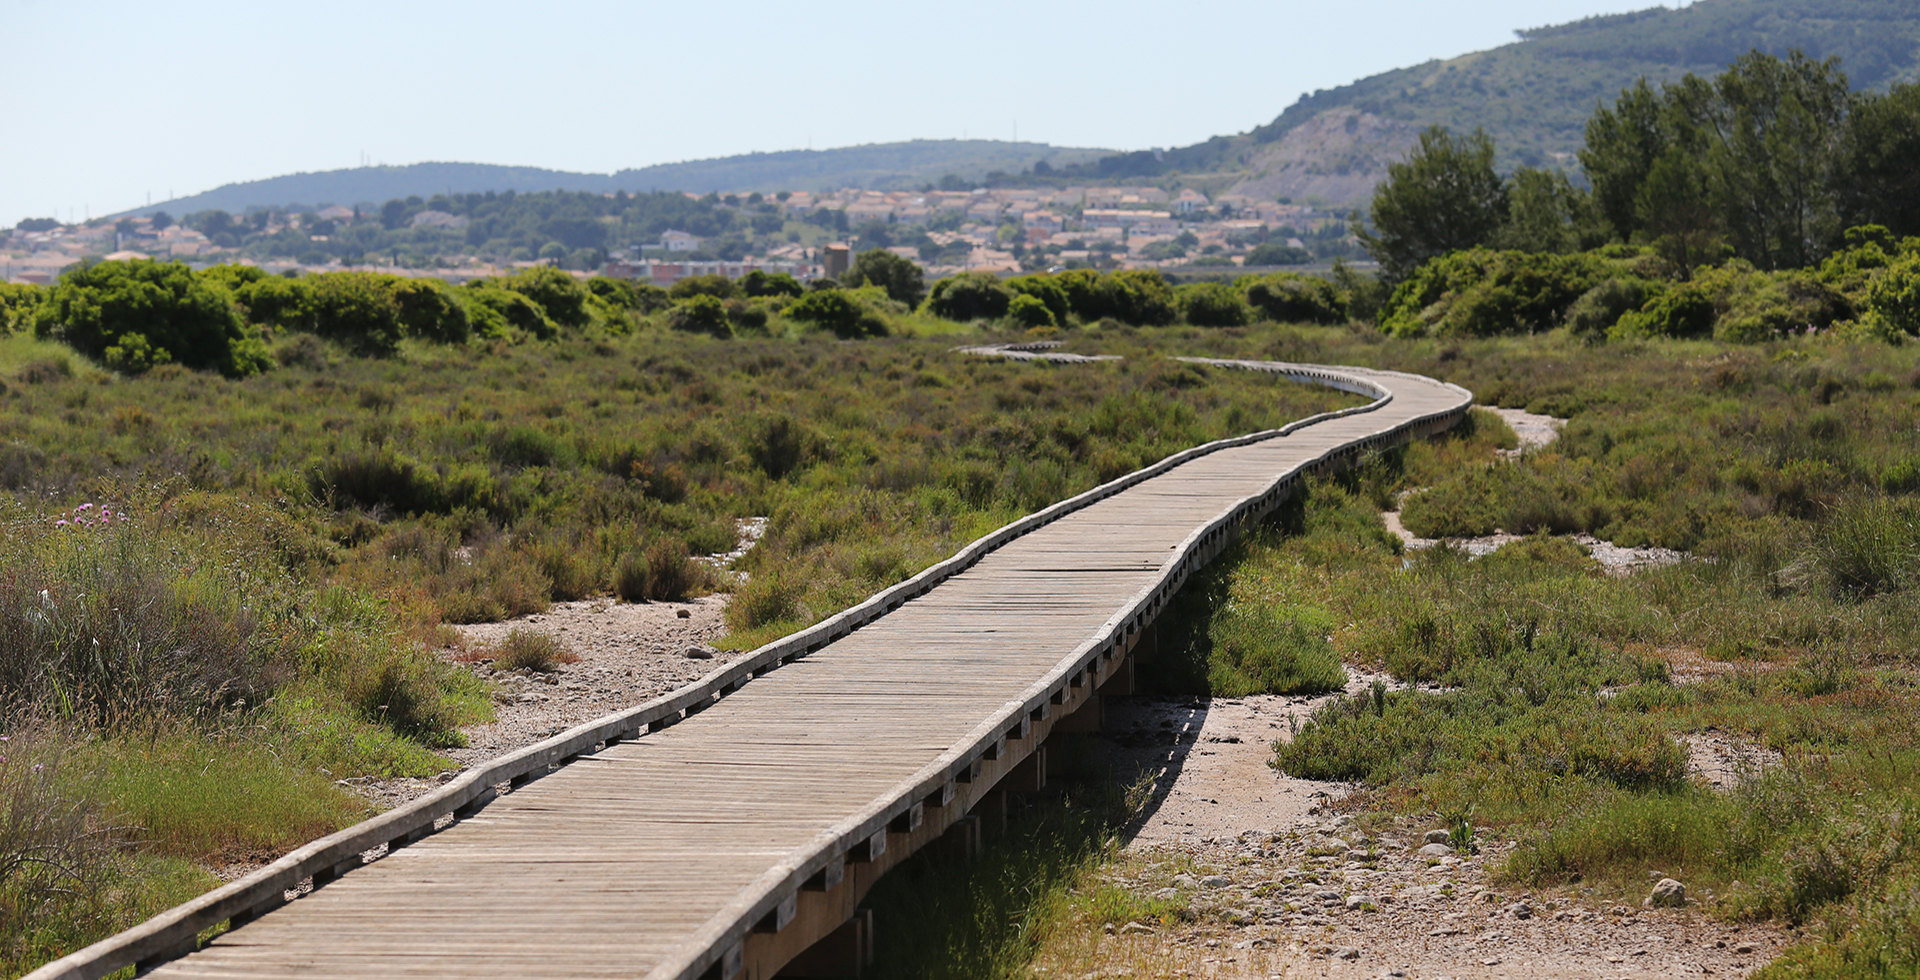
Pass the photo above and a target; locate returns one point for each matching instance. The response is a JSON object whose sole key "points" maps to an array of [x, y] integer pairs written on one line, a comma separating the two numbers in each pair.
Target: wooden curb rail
{"points": [[942, 789]]}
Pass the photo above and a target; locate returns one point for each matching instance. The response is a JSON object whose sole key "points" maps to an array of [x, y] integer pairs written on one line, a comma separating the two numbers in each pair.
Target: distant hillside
{"points": [[1533, 96], [881, 166]]}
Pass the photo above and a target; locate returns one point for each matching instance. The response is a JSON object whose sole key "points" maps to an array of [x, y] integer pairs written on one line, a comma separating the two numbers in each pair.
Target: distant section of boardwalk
{"points": [[724, 830]]}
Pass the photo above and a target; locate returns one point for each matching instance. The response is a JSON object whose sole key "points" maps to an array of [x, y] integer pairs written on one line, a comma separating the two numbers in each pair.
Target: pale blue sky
{"points": [[111, 100]]}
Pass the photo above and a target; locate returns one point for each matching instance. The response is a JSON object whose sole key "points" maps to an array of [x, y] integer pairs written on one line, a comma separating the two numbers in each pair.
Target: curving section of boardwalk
{"points": [[725, 828]]}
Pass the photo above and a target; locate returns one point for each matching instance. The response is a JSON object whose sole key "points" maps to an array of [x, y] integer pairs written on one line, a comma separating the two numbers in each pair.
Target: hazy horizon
{"points": [[129, 102]]}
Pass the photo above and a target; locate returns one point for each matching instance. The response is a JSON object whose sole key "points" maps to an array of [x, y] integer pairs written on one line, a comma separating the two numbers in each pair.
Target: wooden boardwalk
{"points": [[722, 830]]}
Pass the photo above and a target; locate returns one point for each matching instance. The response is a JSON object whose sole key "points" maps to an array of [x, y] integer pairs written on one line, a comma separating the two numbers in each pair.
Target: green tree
{"points": [[1753, 157], [1879, 182], [137, 315], [1444, 197], [1546, 213], [901, 277]]}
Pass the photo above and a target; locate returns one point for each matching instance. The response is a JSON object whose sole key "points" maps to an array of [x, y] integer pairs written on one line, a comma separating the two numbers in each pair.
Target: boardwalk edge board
{"points": [[716, 946]]}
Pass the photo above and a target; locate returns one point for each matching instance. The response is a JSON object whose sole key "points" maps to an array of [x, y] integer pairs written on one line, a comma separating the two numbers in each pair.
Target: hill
{"points": [[881, 166], [1533, 96]]}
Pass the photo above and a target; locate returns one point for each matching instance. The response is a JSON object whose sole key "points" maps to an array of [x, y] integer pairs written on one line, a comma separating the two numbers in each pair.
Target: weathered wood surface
{"points": [[688, 851]]}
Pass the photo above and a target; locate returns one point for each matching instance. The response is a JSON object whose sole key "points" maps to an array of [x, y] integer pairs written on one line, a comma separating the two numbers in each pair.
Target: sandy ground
{"points": [[1280, 883]]}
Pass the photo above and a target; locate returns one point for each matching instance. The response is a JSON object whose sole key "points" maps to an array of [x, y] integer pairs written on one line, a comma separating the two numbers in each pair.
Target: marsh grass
{"points": [[532, 650]]}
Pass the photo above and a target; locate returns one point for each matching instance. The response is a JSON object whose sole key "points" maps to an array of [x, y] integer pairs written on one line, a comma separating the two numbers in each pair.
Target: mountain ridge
{"points": [[880, 166]]}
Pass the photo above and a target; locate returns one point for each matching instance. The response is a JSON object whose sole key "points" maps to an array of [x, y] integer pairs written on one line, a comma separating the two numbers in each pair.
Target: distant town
{"points": [[806, 234]]}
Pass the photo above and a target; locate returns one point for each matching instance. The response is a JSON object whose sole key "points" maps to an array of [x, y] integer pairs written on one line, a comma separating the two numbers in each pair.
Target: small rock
{"points": [[1185, 880], [1165, 894], [1237, 917], [1667, 894], [1435, 850], [1438, 837], [1216, 881], [1743, 948], [1328, 897], [701, 652], [1356, 902], [1362, 857]]}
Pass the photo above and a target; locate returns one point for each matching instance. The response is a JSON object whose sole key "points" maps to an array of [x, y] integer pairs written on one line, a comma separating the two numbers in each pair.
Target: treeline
{"points": [[575, 229], [1768, 199]]}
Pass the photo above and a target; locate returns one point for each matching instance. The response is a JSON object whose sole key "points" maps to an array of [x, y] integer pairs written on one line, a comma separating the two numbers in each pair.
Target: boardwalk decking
{"points": [[706, 837]]}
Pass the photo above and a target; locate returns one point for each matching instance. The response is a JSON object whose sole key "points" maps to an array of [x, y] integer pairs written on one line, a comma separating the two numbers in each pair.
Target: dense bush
{"points": [[137, 315], [759, 283], [18, 304], [1481, 292], [1028, 311], [1294, 298], [562, 297], [701, 313], [1138, 296], [970, 296], [1212, 304], [840, 312], [1600, 308], [1049, 290], [1891, 302], [714, 285]]}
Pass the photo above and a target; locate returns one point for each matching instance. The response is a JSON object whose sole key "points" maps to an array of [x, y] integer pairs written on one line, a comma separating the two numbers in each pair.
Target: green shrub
{"points": [[525, 649], [427, 310], [1212, 304], [1869, 547], [1480, 292], [1049, 290], [18, 304], [631, 577], [1141, 297], [970, 296], [1683, 311], [498, 313], [1295, 298], [839, 312], [361, 310], [765, 600], [1028, 311], [1892, 301], [135, 316], [628, 295], [712, 285], [1599, 308], [672, 574], [758, 283], [560, 296], [700, 313], [1770, 306]]}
